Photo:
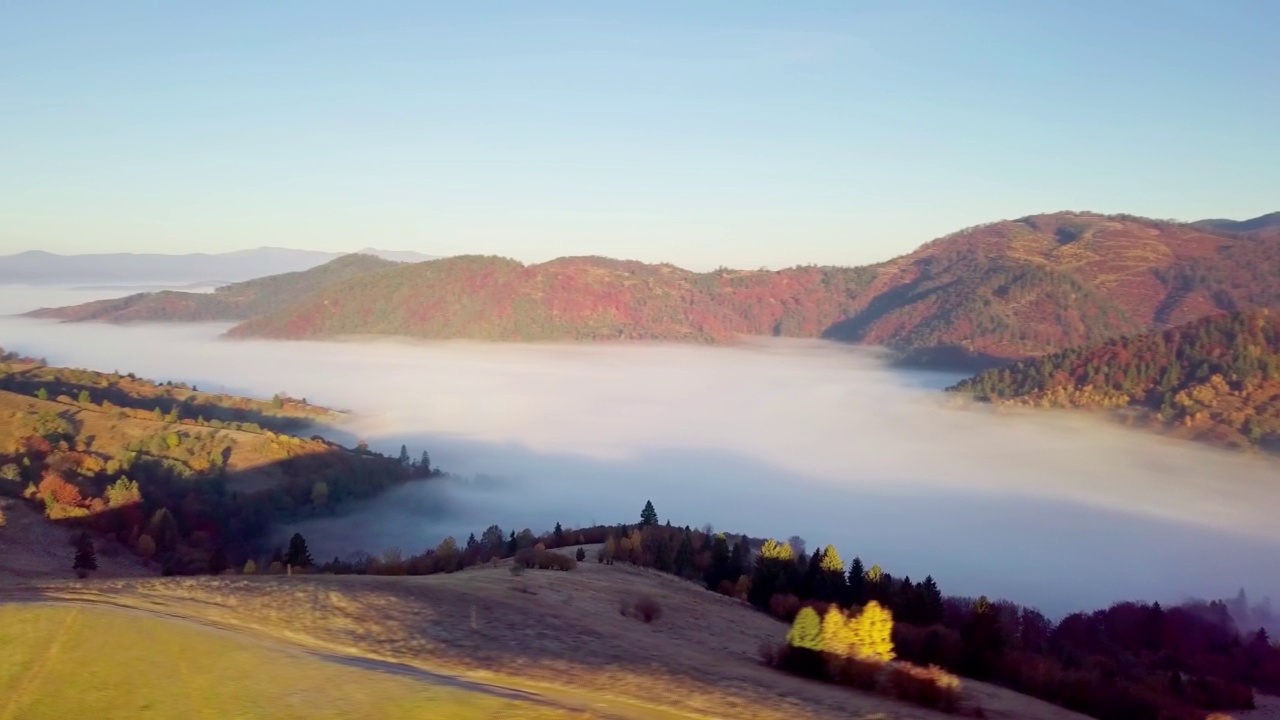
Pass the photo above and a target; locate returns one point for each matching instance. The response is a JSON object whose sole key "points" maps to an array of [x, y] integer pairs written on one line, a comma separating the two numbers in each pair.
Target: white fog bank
{"points": [[774, 438]]}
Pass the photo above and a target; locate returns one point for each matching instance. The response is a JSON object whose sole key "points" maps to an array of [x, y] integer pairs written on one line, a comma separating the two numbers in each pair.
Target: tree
{"points": [[931, 602], [11, 472], [685, 562], [42, 394], [806, 630], [492, 539], [86, 559], [298, 555], [164, 530], [559, 533], [857, 582], [581, 555], [872, 633], [404, 455], [424, 464], [250, 567], [84, 398], [146, 547], [837, 632], [277, 402], [648, 516], [830, 585], [982, 642]]}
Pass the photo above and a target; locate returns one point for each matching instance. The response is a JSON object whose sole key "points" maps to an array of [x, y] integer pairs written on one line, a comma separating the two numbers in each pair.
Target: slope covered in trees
{"points": [[239, 301], [1217, 378], [1008, 290], [189, 479]]}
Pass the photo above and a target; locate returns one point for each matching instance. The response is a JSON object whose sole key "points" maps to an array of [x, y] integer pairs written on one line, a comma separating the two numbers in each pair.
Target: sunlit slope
{"points": [[560, 635], [75, 662]]}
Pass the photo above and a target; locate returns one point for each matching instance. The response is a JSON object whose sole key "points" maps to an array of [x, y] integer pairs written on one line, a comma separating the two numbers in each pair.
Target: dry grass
{"points": [[566, 641], [32, 548]]}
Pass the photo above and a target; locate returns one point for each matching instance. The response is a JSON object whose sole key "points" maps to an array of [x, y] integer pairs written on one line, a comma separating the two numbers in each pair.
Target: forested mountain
{"points": [[1216, 379], [1008, 290], [184, 477], [582, 298], [239, 301], [1263, 224]]}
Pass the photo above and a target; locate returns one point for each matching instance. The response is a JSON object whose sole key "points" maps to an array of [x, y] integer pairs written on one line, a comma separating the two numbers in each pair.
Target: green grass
{"points": [[66, 662]]}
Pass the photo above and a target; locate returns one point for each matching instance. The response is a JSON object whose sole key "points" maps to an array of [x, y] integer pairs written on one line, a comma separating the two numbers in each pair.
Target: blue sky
{"points": [[744, 134]]}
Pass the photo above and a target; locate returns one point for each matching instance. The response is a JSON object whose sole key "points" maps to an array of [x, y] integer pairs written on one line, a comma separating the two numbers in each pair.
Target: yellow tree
{"points": [[837, 633], [774, 550], [806, 631], [872, 633]]}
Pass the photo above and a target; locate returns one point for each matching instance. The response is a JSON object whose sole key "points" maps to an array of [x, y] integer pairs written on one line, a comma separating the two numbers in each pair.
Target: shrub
{"points": [[648, 609], [784, 606], [855, 673], [768, 653], [930, 687], [581, 555]]}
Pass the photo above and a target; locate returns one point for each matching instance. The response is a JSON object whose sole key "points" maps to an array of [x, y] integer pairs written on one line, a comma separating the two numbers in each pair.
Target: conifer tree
{"points": [[806, 631], [648, 516], [837, 632], [298, 556], [559, 533], [86, 559], [931, 602], [404, 455], [685, 559], [857, 582]]}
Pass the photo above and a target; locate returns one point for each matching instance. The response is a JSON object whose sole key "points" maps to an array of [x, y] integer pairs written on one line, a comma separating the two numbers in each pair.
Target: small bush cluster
{"points": [[644, 608], [542, 559]]}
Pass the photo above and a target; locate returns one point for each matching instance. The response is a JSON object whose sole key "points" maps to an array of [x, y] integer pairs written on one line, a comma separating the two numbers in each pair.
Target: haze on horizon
{"points": [[742, 135], [773, 438]]}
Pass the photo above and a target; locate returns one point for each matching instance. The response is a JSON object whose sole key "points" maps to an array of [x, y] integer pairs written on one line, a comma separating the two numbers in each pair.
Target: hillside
{"points": [[1008, 290], [239, 301], [187, 479], [1263, 224], [557, 638], [1214, 379]]}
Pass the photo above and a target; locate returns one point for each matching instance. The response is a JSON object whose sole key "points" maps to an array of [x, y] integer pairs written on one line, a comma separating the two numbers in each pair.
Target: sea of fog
{"points": [[775, 438]]}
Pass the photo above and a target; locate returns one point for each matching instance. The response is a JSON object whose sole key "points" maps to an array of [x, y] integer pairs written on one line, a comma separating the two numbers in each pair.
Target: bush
{"points": [[768, 653], [930, 687], [648, 609], [784, 606], [581, 555]]}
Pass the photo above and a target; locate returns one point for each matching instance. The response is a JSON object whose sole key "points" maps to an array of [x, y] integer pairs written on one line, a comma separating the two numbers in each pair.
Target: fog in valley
{"points": [[772, 438]]}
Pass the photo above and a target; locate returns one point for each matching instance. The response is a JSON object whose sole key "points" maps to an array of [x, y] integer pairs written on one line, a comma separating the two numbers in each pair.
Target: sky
{"points": [[745, 134]]}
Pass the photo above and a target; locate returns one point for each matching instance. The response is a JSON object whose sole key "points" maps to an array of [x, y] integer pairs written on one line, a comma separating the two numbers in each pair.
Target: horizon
{"points": [[763, 138]]}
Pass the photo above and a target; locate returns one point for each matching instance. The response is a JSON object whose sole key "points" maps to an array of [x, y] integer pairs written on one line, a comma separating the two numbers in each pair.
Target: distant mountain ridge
{"points": [[235, 302], [1004, 291], [1268, 224], [39, 267]]}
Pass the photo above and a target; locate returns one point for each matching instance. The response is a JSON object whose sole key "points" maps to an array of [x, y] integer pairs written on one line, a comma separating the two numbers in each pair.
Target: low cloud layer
{"points": [[773, 438]]}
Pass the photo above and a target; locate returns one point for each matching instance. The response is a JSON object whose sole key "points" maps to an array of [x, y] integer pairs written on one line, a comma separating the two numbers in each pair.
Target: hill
{"points": [[38, 267], [1214, 379], [1269, 223], [556, 637], [238, 301], [1009, 290], [181, 477]]}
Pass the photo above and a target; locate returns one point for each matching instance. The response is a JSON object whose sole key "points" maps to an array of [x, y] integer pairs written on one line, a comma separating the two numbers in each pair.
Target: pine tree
{"points": [[86, 559], [685, 560], [581, 555], [857, 582], [404, 455], [648, 516], [872, 632], [806, 631], [931, 602], [298, 556], [559, 533]]}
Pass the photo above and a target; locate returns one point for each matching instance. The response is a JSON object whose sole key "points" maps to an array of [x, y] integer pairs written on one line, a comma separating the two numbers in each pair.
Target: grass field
{"points": [[74, 662]]}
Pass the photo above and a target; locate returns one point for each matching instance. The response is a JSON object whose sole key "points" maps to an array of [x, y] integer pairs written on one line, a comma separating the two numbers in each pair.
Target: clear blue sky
{"points": [[734, 133]]}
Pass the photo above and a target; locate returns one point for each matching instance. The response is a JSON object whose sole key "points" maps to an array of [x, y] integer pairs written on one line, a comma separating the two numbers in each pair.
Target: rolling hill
{"points": [[1263, 224], [1009, 290], [1215, 379], [239, 301]]}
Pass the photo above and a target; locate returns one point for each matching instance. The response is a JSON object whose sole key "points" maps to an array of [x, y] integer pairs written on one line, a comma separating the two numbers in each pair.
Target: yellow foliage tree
{"points": [[872, 633], [774, 550], [837, 633], [806, 631]]}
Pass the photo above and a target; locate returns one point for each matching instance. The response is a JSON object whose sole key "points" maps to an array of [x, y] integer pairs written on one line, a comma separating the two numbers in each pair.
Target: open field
{"points": [[59, 661], [558, 635]]}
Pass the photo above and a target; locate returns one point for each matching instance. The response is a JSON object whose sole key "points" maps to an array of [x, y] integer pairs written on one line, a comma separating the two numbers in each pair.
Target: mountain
{"points": [[1268, 224], [239, 301], [38, 267], [1214, 379], [579, 298], [1004, 291]]}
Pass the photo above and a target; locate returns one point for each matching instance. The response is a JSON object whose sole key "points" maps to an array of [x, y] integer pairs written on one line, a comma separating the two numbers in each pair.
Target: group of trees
{"points": [[1221, 373]]}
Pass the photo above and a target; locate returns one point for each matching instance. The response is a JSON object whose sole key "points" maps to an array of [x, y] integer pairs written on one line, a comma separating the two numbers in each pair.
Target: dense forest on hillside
{"points": [[238, 301], [184, 478], [1216, 379], [1131, 661]]}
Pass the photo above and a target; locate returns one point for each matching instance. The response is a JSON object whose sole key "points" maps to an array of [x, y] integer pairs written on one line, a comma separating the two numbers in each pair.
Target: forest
{"points": [[185, 479], [1214, 379]]}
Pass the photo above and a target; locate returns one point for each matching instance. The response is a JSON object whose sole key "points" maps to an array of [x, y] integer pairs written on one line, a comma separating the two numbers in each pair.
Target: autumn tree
{"points": [[774, 572], [298, 555], [806, 631], [648, 516], [872, 633], [86, 559], [145, 547], [982, 641], [837, 632], [320, 493]]}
